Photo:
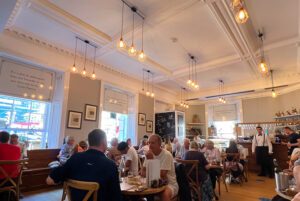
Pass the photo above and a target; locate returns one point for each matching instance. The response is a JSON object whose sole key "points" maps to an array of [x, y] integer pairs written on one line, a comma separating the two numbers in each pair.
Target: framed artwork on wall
{"points": [[149, 126], [90, 113], [142, 119], [74, 119]]}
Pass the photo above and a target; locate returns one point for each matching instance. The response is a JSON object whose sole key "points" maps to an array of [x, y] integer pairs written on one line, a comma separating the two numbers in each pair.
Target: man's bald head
{"points": [[155, 144]]}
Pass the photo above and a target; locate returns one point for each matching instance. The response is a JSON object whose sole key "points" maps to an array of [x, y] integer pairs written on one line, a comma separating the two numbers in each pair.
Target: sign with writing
{"points": [[25, 81]]}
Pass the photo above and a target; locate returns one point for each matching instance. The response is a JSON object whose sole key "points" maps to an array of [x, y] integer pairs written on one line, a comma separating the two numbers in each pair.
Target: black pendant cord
{"points": [[94, 60], [143, 80], [75, 52], [132, 28], [122, 20], [85, 56], [143, 36], [152, 82], [272, 79]]}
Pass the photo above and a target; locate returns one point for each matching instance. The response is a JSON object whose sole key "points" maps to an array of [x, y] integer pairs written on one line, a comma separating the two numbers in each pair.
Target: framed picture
{"points": [[149, 126], [74, 120], [142, 119], [90, 112]]}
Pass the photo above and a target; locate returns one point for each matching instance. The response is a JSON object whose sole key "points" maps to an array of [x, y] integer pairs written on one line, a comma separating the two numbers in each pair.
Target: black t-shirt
{"points": [[293, 138]]}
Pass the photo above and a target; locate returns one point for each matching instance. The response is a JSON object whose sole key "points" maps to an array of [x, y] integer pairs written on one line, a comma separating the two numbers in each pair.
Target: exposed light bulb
{"points": [[142, 56], [187, 106], [73, 69], [274, 94], [263, 67], [83, 73], [132, 50], [40, 97], [25, 94], [152, 94], [181, 104], [235, 4], [220, 99], [121, 44], [189, 81], [196, 86], [148, 93], [32, 95], [41, 86], [50, 88], [241, 16], [193, 83], [93, 76]]}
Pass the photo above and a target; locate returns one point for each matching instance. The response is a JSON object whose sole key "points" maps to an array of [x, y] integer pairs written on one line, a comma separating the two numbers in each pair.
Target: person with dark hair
{"points": [[14, 139], [262, 148], [80, 147], [233, 163], [129, 142], [91, 166], [8, 152], [294, 139], [131, 157], [146, 137]]}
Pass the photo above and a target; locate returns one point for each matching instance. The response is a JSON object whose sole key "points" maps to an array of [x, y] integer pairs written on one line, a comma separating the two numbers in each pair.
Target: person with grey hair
{"points": [[167, 167], [184, 148], [113, 152], [91, 166], [66, 150], [203, 166]]}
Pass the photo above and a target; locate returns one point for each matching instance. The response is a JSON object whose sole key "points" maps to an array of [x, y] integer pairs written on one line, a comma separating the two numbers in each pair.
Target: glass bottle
{"points": [[122, 167]]}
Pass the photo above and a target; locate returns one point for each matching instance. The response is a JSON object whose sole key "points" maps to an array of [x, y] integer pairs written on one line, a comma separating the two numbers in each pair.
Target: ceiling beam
{"points": [[6, 9]]}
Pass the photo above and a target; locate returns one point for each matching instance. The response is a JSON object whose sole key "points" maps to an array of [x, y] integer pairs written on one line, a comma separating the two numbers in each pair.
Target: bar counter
{"points": [[280, 152]]}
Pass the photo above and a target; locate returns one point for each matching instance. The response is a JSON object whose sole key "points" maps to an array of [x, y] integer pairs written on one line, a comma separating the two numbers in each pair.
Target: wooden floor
{"points": [[249, 191]]}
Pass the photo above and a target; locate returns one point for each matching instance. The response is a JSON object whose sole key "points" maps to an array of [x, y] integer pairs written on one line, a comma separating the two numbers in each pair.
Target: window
{"points": [[115, 125], [27, 118], [225, 129]]}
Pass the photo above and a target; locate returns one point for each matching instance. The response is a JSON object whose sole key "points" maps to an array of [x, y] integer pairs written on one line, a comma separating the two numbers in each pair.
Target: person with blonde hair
{"points": [[113, 152]]}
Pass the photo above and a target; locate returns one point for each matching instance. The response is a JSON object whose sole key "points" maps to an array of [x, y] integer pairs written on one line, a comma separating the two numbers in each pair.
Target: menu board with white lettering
{"points": [[25, 81]]}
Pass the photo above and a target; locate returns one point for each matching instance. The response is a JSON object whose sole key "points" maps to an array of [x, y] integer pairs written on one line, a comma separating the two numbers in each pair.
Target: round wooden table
{"points": [[128, 189]]}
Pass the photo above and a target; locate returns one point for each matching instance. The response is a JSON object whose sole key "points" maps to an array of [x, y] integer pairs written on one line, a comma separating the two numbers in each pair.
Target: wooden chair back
{"points": [[91, 187], [13, 184]]}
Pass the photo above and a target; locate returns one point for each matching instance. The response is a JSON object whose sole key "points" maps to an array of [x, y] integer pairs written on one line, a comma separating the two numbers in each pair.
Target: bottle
{"points": [[276, 166], [122, 167]]}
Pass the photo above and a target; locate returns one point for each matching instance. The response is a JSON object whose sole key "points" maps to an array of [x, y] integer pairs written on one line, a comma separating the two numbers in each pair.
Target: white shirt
{"points": [[167, 163], [176, 147], [181, 152], [260, 141], [213, 154], [145, 149], [133, 157]]}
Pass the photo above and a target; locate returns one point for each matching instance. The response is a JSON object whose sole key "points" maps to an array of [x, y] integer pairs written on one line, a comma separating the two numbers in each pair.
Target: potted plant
{"points": [[195, 118]]}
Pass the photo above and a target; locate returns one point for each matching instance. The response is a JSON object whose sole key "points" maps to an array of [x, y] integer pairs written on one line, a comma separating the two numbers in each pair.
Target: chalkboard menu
{"points": [[165, 124]]}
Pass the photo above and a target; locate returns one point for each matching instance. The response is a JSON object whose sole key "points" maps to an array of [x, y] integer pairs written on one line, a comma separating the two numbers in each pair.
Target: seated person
{"points": [[296, 172], [131, 157], [144, 147], [8, 152], [14, 140], [113, 152], [66, 150], [206, 185], [211, 153], [167, 167], [233, 164], [129, 142], [92, 166], [80, 147], [185, 147], [145, 137], [168, 145], [176, 147]]}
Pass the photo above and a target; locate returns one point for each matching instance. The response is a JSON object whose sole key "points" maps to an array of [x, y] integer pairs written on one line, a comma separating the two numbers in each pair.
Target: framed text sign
{"points": [[25, 81]]}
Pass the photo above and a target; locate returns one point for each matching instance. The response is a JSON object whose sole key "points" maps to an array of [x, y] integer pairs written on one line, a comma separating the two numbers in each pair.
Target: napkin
{"points": [[152, 171]]}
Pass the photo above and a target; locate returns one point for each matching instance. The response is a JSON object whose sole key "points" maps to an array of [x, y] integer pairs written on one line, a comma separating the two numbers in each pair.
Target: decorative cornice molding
{"points": [[14, 14], [68, 52]]}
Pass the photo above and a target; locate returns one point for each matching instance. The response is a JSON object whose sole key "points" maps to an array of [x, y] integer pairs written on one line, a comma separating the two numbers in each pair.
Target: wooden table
{"points": [[128, 189], [283, 195]]}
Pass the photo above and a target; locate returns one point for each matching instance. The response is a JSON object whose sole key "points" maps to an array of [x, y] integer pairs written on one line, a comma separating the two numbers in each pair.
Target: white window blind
{"points": [[226, 112], [115, 101]]}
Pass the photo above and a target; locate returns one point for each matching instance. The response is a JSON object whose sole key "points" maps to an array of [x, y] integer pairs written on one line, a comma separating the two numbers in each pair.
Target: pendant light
{"points": [[189, 81], [93, 75], [148, 91], [73, 68], [83, 72], [121, 44], [142, 55], [221, 91], [235, 4], [132, 50], [242, 15], [152, 92], [263, 68], [274, 94]]}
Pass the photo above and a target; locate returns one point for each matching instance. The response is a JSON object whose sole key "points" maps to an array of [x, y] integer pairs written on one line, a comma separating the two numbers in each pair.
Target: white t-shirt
{"points": [[133, 157], [167, 163]]}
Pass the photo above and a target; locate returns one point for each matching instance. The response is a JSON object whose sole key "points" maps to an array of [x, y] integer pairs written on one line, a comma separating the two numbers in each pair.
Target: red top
{"points": [[9, 152]]}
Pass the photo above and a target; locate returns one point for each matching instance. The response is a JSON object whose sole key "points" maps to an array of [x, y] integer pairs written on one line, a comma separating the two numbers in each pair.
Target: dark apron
{"points": [[261, 152]]}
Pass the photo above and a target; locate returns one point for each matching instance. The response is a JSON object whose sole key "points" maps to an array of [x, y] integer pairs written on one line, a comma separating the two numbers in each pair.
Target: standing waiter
{"points": [[262, 148]]}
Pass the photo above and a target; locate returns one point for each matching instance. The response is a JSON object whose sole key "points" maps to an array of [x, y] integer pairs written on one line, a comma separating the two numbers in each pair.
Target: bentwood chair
{"points": [[91, 187], [10, 184], [235, 159], [193, 182]]}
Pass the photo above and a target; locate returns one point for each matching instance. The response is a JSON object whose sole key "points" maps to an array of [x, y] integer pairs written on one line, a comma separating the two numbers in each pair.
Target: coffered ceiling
{"points": [[224, 50]]}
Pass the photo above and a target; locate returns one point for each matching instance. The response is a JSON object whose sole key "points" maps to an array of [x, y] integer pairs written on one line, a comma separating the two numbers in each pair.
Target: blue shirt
{"points": [[93, 166]]}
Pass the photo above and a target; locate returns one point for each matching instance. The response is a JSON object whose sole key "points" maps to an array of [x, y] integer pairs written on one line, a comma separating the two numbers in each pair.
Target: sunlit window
{"points": [[114, 125], [225, 129], [27, 118]]}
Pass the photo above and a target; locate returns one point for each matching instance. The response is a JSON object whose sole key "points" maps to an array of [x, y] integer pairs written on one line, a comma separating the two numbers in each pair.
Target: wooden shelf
{"points": [[288, 116], [196, 124]]}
